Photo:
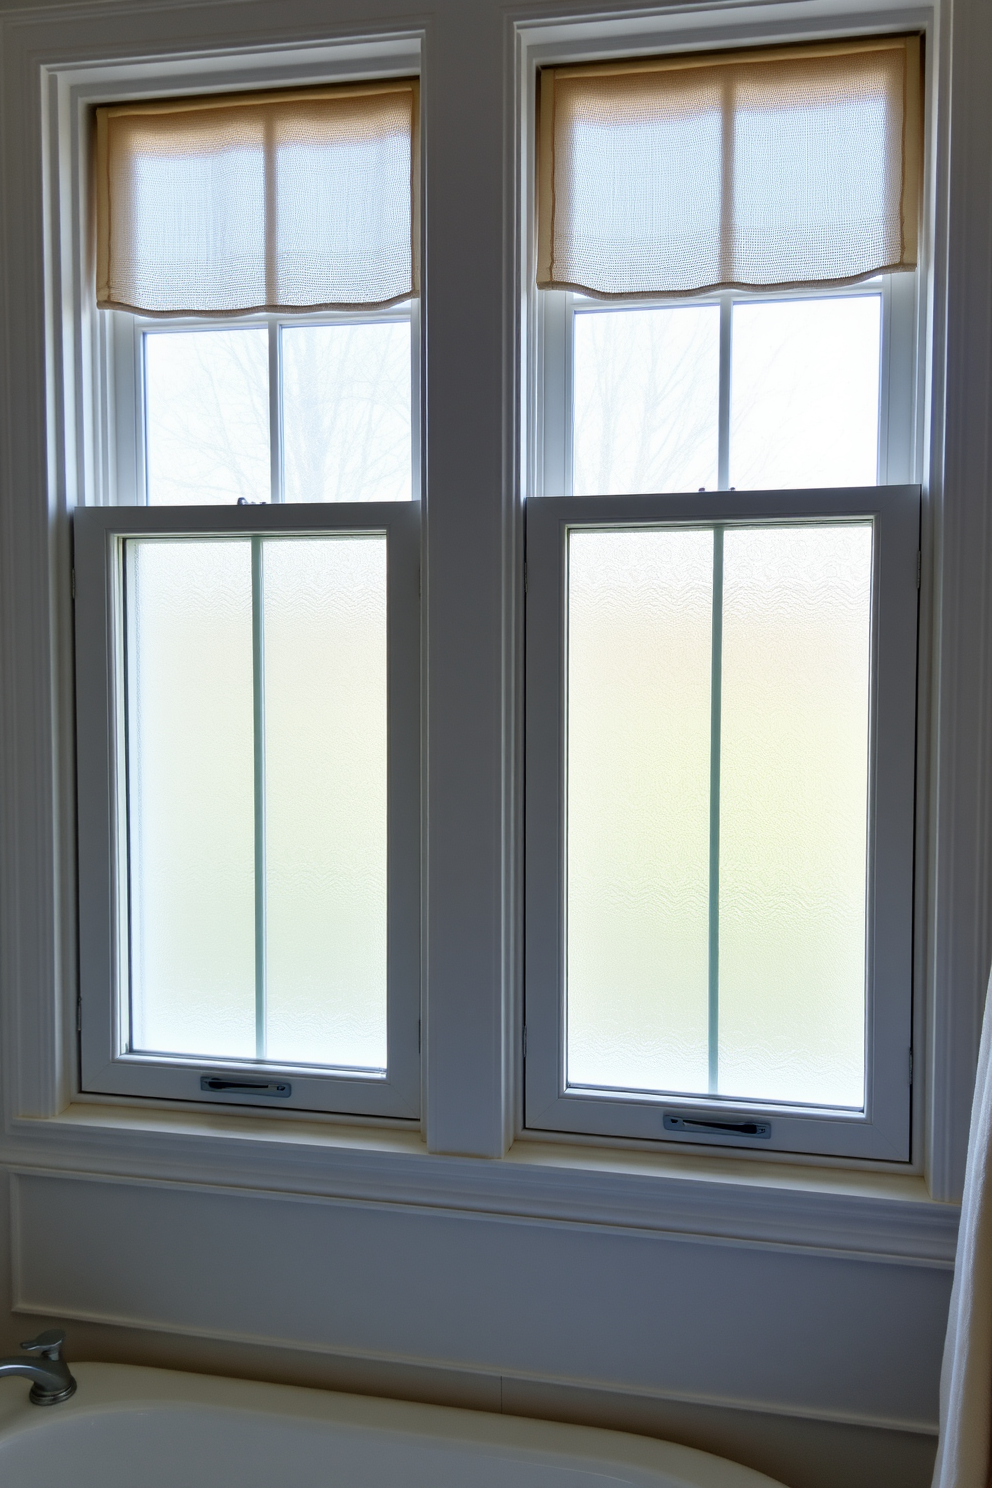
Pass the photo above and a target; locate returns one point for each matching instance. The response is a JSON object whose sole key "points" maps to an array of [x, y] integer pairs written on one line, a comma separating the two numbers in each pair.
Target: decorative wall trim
{"points": [[458, 1310], [888, 1219]]}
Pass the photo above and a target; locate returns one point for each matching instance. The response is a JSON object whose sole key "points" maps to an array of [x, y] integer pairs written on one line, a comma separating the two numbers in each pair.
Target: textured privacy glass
{"points": [[346, 412], [645, 399], [325, 799], [794, 808], [639, 619], [256, 735], [206, 417], [717, 834], [804, 400], [189, 777]]}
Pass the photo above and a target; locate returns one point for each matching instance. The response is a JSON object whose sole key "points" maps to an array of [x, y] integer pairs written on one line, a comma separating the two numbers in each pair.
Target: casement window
{"points": [[722, 577], [247, 606]]}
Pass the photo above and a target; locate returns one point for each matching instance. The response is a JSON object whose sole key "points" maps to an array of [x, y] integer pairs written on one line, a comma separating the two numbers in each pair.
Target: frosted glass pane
{"points": [[793, 823], [206, 417], [189, 764], [804, 393], [325, 750], [639, 628], [346, 412], [645, 400]]}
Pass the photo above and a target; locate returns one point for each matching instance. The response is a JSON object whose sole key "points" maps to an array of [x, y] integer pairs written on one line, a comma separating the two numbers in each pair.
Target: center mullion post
{"points": [[723, 407], [258, 770], [276, 492], [716, 690]]}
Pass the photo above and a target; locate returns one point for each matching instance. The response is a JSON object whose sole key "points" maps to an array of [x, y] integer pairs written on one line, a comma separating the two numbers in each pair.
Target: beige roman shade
{"points": [[749, 169], [297, 200]]}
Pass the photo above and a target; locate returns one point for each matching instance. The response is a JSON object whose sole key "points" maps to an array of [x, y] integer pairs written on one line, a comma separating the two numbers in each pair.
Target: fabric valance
{"points": [[787, 166], [303, 199]]}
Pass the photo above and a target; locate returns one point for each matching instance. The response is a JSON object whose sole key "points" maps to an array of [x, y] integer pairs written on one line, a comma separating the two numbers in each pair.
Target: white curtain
{"points": [[963, 1456], [753, 169], [304, 199]]}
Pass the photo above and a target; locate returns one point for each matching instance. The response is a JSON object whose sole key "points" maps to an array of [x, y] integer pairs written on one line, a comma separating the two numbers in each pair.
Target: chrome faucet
{"points": [[50, 1372]]}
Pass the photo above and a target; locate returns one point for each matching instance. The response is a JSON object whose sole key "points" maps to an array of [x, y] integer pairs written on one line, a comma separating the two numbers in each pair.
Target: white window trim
{"points": [[472, 1033]]}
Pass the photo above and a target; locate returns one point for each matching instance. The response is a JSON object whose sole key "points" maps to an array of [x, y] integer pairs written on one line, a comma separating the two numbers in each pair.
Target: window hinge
{"points": [[525, 578], [79, 1015], [524, 1040], [418, 1035], [910, 1067], [919, 567], [72, 580], [420, 583]]}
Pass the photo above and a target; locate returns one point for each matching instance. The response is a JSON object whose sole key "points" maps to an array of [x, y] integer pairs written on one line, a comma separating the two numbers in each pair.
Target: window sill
{"points": [[711, 1198]]}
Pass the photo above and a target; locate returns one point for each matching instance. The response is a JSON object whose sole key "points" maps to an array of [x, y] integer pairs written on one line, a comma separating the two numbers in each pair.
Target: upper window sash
{"points": [[897, 460], [122, 366]]}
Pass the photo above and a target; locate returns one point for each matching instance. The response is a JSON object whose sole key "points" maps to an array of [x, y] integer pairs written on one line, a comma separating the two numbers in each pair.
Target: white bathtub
{"points": [[156, 1428]]}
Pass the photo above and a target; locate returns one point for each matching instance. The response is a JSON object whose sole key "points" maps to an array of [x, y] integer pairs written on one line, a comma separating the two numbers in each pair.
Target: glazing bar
{"points": [[258, 724], [716, 686]]}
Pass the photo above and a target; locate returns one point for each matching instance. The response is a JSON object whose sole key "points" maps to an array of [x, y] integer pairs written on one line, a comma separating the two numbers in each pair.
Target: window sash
{"points": [[105, 1068], [897, 372], [123, 365], [881, 1131]]}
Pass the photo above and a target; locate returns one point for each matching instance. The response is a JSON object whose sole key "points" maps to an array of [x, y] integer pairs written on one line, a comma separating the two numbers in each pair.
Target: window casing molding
{"points": [[49, 57]]}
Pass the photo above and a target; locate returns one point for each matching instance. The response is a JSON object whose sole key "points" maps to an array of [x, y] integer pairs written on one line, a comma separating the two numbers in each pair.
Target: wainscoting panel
{"points": [[740, 1326]]}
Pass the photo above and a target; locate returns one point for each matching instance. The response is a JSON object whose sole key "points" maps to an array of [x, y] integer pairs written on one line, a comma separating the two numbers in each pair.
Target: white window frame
{"points": [[122, 386], [107, 1065], [881, 1131]]}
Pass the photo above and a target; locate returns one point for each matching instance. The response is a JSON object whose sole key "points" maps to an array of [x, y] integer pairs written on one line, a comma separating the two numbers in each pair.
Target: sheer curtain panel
{"points": [[751, 169], [296, 200]]}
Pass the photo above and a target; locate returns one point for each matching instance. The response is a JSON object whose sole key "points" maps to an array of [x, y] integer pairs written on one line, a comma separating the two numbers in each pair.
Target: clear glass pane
{"points": [[207, 416], [804, 393], [793, 816], [639, 659], [645, 400], [346, 412], [190, 823], [325, 789]]}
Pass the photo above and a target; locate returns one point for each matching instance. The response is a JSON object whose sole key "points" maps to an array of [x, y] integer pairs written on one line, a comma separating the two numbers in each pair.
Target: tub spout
{"points": [[49, 1372]]}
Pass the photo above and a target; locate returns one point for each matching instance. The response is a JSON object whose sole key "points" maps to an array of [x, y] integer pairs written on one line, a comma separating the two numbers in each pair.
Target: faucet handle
{"points": [[47, 1344]]}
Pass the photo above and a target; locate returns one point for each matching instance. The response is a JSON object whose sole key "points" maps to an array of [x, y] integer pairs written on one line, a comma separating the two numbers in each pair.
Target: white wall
{"points": [[790, 1320]]}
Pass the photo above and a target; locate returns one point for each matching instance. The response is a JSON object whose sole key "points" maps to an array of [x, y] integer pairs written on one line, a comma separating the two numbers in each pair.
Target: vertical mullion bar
{"points": [[276, 493], [723, 413], [258, 731], [716, 685]]}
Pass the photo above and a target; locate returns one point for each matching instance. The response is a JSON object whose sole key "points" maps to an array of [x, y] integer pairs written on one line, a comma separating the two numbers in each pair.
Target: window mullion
{"points": [[716, 686], [275, 412], [258, 772], [723, 414]]}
